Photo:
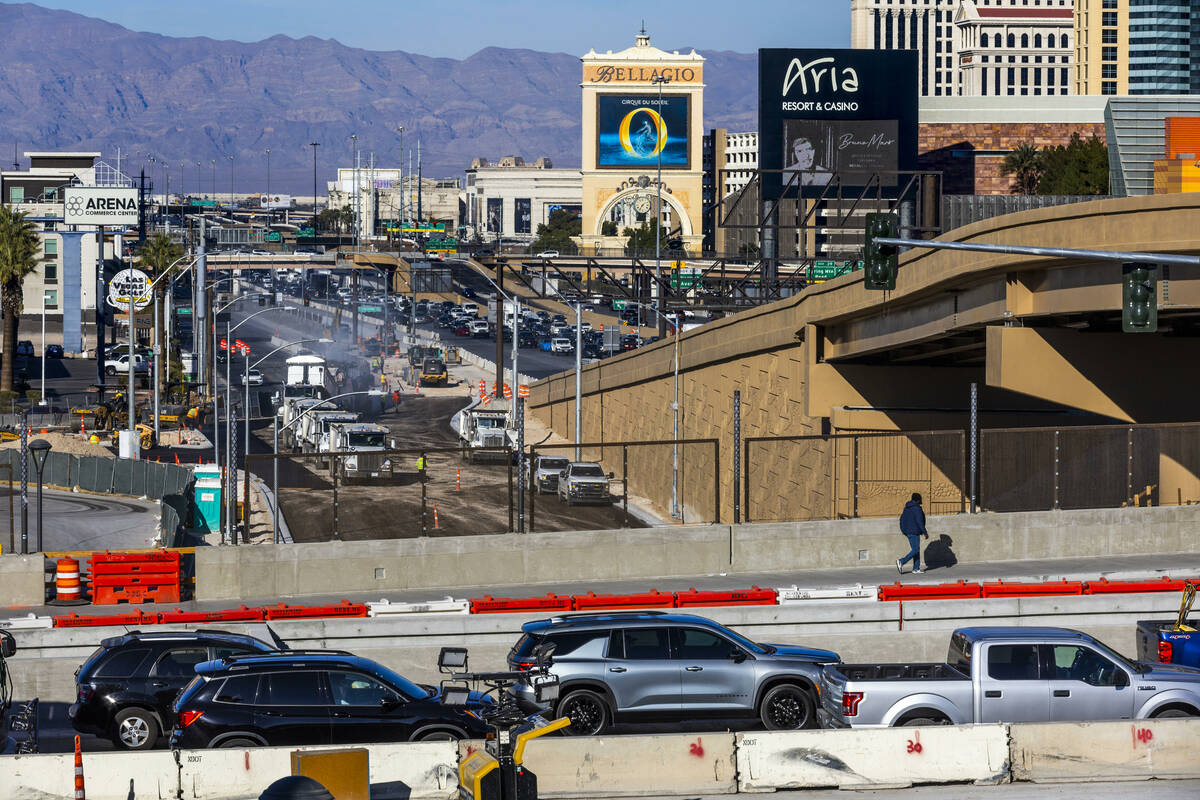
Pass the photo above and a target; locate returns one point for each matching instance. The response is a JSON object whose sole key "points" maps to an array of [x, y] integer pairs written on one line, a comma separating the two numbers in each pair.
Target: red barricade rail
{"points": [[1043, 589], [650, 599], [242, 614], [73, 620], [961, 590], [342, 609], [741, 597], [504, 605], [1163, 584]]}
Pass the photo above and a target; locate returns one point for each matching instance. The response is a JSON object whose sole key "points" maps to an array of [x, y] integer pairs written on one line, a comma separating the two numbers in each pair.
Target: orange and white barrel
{"points": [[67, 585]]}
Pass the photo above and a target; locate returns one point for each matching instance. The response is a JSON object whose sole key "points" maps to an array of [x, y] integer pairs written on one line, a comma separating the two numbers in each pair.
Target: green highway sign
{"points": [[619, 304], [370, 309], [274, 236], [305, 233], [826, 270], [184, 310]]}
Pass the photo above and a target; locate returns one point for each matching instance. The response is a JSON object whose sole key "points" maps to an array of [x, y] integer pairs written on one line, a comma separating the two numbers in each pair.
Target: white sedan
{"points": [[254, 378]]}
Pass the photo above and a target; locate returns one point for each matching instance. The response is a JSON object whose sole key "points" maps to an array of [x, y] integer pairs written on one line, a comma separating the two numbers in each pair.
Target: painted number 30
{"points": [[914, 744]]}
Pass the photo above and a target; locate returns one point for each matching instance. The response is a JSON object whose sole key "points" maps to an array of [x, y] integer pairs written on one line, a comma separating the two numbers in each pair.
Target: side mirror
{"points": [[1120, 679], [8, 645], [737, 656], [390, 703], [611, 475]]}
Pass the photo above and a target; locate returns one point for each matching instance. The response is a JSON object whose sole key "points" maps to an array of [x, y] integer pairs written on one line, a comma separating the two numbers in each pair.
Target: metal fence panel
{"points": [[1093, 467], [59, 469], [155, 479], [1016, 470], [122, 476]]}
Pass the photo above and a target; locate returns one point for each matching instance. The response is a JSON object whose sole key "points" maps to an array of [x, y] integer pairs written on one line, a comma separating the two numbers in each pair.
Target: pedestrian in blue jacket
{"points": [[912, 525]]}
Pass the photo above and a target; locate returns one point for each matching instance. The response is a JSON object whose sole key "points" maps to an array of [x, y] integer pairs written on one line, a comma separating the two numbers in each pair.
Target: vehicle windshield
{"points": [[434, 366], [401, 683], [553, 463], [753, 647], [588, 471], [366, 440], [491, 422]]}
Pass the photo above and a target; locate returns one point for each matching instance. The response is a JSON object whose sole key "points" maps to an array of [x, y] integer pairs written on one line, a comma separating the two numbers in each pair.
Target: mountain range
{"points": [[74, 82]]}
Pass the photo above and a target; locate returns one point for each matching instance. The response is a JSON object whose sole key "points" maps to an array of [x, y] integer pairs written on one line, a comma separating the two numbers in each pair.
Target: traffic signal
{"points": [[1139, 298], [880, 261]]}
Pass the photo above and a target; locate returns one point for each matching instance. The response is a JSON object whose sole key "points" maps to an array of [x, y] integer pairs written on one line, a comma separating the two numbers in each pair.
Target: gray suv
{"points": [[651, 665]]}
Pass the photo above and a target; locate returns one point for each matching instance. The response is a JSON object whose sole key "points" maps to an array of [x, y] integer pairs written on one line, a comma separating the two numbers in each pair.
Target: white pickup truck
{"points": [[1008, 674]]}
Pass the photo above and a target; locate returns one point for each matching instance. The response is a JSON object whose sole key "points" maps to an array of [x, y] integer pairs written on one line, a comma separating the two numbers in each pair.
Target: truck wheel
{"points": [[588, 713], [1173, 713], [787, 707], [110, 370], [921, 722]]}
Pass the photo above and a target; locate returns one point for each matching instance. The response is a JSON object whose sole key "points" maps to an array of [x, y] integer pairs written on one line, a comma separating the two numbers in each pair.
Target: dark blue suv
{"points": [[652, 665], [311, 698]]}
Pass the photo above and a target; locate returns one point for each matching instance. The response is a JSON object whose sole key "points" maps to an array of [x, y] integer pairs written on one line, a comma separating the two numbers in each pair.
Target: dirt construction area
{"points": [[470, 498]]}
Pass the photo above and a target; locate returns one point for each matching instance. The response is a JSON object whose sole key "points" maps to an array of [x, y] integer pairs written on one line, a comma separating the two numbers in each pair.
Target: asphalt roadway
{"points": [[81, 521], [1101, 790]]}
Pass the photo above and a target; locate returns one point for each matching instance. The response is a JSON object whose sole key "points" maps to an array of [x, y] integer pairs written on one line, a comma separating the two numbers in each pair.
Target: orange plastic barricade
{"points": [[1043, 589], [741, 597], [960, 590], [342, 609], [505, 605], [1163, 584], [650, 599]]}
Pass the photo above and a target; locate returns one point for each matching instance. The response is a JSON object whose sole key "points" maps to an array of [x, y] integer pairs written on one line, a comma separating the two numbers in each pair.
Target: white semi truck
{"points": [[366, 442]]}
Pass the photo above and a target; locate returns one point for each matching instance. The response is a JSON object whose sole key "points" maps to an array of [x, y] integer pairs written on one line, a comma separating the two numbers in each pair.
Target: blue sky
{"points": [[458, 28]]}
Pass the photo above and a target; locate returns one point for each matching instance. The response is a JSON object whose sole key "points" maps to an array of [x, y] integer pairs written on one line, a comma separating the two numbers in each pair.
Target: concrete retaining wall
{"points": [[248, 573], [664, 765]]}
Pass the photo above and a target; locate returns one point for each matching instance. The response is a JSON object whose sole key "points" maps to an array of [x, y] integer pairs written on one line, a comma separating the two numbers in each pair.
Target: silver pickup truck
{"points": [[1008, 674]]}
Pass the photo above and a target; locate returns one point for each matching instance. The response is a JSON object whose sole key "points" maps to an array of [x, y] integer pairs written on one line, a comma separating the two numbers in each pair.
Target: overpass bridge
{"points": [[1039, 336]]}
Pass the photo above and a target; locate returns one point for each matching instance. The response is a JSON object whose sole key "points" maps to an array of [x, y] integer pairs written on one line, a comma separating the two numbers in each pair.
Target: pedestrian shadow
{"points": [[938, 553]]}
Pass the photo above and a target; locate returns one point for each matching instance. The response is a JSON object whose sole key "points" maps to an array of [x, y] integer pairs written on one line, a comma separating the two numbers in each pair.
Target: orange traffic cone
{"points": [[435, 517], [78, 771], [177, 459], [458, 479]]}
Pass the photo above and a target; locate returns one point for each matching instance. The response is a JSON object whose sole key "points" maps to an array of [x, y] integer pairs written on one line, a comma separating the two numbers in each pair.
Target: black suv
{"points": [[125, 689], [312, 698]]}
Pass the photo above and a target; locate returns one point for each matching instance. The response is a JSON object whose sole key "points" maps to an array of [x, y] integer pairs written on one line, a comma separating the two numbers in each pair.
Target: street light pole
{"points": [[40, 449], [659, 80], [270, 208]]}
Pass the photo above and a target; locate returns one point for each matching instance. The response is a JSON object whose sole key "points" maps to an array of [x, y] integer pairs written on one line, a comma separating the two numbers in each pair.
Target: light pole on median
{"points": [[275, 448], [659, 143], [230, 461]]}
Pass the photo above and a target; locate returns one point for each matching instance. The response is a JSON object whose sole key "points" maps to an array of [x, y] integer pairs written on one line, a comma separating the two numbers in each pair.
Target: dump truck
{"points": [[481, 427], [291, 410], [366, 441], [313, 430]]}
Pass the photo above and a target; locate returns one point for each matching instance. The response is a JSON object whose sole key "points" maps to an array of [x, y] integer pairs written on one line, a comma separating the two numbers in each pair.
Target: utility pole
{"points": [[420, 211], [314, 146]]}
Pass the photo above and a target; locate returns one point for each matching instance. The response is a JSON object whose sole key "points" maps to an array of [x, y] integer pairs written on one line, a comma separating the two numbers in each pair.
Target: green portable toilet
{"points": [[207, 502]]}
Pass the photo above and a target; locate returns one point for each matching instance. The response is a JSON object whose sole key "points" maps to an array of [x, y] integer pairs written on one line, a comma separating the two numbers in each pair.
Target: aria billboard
{"points": [[634, 131], [821, 113]]}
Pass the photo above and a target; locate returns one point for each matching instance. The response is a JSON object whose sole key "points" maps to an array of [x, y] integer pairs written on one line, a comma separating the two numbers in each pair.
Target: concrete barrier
{"points": [[1105, 751], [248, 573], [22, 581], [107, 776], [251, 573], [631, 766], [878, 758]]}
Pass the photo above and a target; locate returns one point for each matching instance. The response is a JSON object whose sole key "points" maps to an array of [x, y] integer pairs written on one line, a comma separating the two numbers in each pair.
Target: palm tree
{"points": [[1024, 163], [18, 258]]}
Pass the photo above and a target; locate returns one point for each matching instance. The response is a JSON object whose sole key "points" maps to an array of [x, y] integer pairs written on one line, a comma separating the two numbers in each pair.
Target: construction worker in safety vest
{"points": [[421, 467], [193, 417]]}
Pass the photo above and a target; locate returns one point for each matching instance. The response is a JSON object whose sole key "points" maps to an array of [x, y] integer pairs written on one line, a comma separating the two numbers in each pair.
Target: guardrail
{"points": [[693, 764]]}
